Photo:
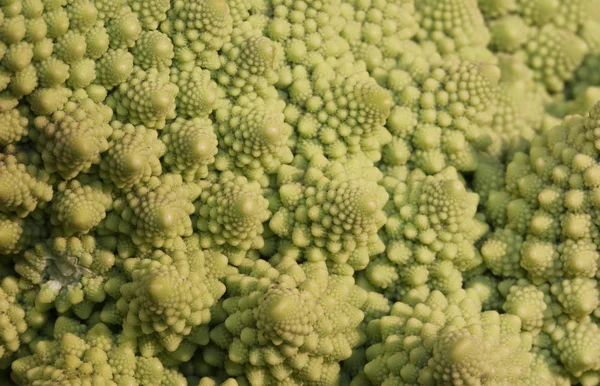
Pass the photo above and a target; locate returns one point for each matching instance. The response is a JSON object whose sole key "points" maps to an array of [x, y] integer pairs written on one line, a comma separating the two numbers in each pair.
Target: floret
{"points": [[16, 233], [454, 25], [51, 44], [155, 214], [78, 208], [199, 30], [12, 321], [551, 37], [448, 340], [342, 111], [376, 31], [67, 272], [78, 355], [13, 127], [153, 49], [430, 233], [114, 68], [289, 323], [133, 156], [578, 346], [168, 295], [22, 189], [124, 29], [528, 303], [146, 98], [231, 212], [71, 139], [547, 197], [249, 63], [442, 111], [150, 13], [331, 213], [253, 138]]}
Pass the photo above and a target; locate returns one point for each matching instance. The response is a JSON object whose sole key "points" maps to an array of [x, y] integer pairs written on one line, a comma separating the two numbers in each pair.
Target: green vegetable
{"points": [[299, 192]]}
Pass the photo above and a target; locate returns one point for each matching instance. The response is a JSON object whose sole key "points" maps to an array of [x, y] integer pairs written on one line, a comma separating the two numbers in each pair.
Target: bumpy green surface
{"points": [[299, 192]]}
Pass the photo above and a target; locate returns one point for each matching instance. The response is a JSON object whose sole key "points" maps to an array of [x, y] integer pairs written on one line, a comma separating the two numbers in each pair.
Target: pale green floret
{"points": [[551, 200], [496, 8], [82, 74], [77, 207], [430, 232], [376, 31], [249, 63], [512, 130], [133, 156], [443, 111], [314, 27], [253, 138], [124, 29], [22, 189], [445, 340], [578, 346], [72, 138], [50, 44], [488, 177], [578, 297], [453, 25], [197, 92], [52, 72], [167, 296], [203, 25], [82, 15], [18, 234], [538, 12], [49, 100], [486, 288], [150, 12], [343, 112], [97, 41], [288, 323], [78, 355], [153, 50], [68, 273], [508, 33], [501, 253], [526, 302], [147, 98], [191, 147], [155, 214], [114, 68], [231, 212], [554, 54], [11, 234], [552, 37], [332, 213], [13, 323]]}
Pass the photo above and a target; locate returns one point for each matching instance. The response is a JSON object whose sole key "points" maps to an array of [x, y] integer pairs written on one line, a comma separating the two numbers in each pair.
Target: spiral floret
{"points": [[77, 207], [72, 138], [167, 297], [342, 214], [67, 272], [146, 98], [283, 322], [191, 147], [133, 156], [231, 213], [155, 214]]}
